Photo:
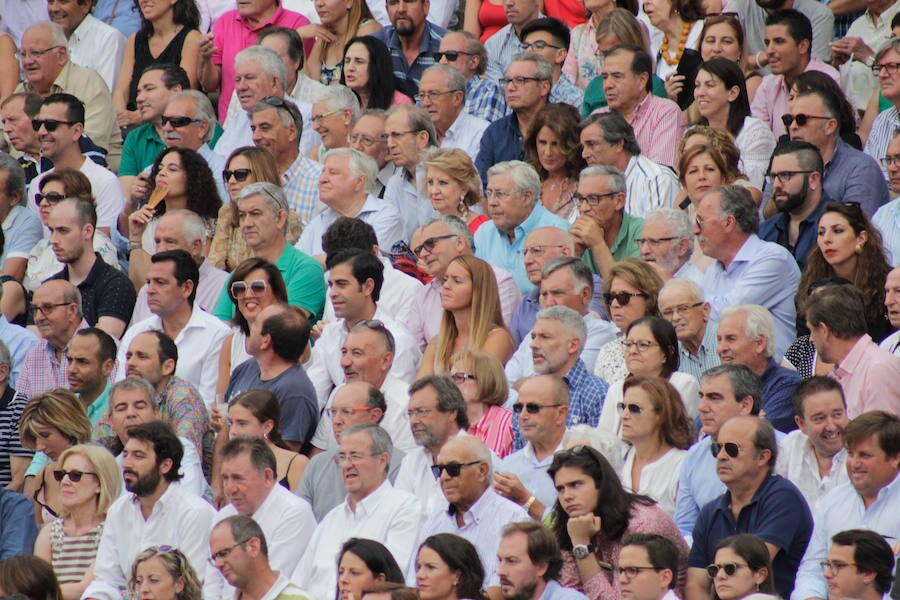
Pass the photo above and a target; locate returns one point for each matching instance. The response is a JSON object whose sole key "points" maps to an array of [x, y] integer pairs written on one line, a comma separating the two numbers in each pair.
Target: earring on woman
{"points": [[858, 248]]}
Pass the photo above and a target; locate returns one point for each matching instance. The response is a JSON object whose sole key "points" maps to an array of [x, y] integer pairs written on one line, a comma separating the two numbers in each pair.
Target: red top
{"points": [[476, 223], [570, 12], [492, 18]]}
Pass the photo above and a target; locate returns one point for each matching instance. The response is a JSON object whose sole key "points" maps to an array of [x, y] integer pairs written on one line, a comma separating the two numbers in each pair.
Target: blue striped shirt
{"points": [[412, 73], [485, 99]]}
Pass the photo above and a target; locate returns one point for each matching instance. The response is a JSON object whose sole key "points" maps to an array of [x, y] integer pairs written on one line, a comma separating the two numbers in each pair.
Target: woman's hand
{"points": [[137, 222], [314, 31], [127, 118], [582, 529], [674, 85], [218, 422]]}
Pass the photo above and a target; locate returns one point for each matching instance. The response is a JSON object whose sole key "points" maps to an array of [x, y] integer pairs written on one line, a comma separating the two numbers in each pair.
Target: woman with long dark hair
{"points": [[361, 564], [554, 151], [368, 72], [448, 568]]}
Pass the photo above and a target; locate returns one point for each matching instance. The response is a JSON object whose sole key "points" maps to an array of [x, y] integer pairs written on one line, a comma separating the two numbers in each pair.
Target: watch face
{"points": [[581, 551]]}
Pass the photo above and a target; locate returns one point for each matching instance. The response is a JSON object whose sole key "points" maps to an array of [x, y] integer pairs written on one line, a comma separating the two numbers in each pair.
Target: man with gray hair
{"points": [[667, 242], [746, 336], [513, 203], [14, 458], [442, 93], [463, 51], [21, 227], [443, 239], [183, 229], [262, 217], [410, 134], [681, 303], [603, 232], [526, 87], [608, 139], [747, 270], [345, 188]]}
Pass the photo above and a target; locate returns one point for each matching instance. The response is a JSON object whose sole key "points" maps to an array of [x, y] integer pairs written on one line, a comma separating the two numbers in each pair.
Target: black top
{"points": [[106, 292], [143, 59]]}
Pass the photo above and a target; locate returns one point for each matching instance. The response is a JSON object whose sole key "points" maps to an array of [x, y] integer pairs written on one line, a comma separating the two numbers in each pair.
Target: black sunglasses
{"points": [[453, 469], [430, 243], [623, 298], [48, 124], [239, 174], [731, 449], [634, 409], [451, 55], [532, 408], [74, 475], [801, 119], [178, 122], [729, 568], [50, 197]]}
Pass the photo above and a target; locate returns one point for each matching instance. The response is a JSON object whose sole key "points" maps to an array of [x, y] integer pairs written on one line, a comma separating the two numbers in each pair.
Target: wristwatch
{"points": [[870, 61], [582, 551]]}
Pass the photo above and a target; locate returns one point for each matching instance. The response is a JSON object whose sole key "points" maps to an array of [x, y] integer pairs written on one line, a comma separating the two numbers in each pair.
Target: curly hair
{"points": [[201, 191], [178, 566], [458, 165], [562, 120]]}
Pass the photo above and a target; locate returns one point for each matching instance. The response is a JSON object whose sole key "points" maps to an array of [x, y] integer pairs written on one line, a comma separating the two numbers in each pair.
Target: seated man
{"points": [[891, 301], [14, 458], [860, 565], [21, 226], [92, 355], [667, 242], [463, 51], [412, 40], [366, 137], [550, 38], [18, 341], [529, 563], [682, 303], [18, 529], [334, 111], [636, 580], [442, 93]]}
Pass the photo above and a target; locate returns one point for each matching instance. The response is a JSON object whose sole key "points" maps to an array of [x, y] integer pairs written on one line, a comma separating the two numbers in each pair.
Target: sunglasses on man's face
{"points": [[532, 408], [453, 469], [430, 243], [178, 122], [48, 124], [731, 449], [451, 55], [238, 174]]}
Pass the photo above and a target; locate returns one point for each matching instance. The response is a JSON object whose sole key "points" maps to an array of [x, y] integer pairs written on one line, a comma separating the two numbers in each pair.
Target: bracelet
{"points": [[528, 504], [134, 246], [756, 59]]}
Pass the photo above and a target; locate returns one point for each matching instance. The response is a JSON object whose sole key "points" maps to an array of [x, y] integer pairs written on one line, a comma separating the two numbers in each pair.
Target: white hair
{"points": [[359, 163], [524, 177], [340, 97], [759, 322], [267, 59], [679, 225], [571, 321]]}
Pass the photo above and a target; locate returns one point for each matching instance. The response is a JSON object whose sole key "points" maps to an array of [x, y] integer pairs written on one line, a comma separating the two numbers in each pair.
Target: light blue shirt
{"points": [[495, 247], [554, 591], [698, 484], [22, 229], [383, 218], [532, 473], [761, 273], [403, 194], [18, 341], [840, 509], [887, 220], [706, 358]]}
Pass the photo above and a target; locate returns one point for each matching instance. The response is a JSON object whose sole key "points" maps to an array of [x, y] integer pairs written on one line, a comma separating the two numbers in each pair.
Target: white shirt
{"points": [[797, 462], [465, 134], [658, 479], [648, 186], [95, 45], [179, 519], [756, 142], [105, 189], [199, 344], [383, 218], [324, 369], [237, 129], [689, 271], [891, 343], [288, 523], [387, 515], [687, 385], [209, 286], [398, 294]]}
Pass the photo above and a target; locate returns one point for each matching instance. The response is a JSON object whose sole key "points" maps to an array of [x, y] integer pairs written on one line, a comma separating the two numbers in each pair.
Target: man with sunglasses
{"points": [[756, 501], [463, 51], [549, 37]]}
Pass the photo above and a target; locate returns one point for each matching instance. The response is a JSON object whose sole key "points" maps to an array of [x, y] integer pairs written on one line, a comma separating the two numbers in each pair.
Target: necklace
{"points": [[664, 49]]}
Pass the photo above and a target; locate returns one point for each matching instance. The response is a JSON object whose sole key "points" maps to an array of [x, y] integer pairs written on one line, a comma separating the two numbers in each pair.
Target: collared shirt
{"points": [[856, 76], [403, 194], [501, 141], [566, 92], [415, 477], [869, 376], [839, 510], [485, 99], [554, 591], [756, 142], [532, 472], [19, 341], [398, 294], [386, 515], [140, 149], [495, 246], [11, 407], [411, 73], [883, 129], [771, 99], [237, 130], [501, 47], [181, 406], [698, 485], [624, 246], [381, 215], [106, 190], [465, 133], [209, 286], [42, 262], [753, 17], [797, 462], [706, 357], [887, 220], [522, 320], [95, 45], [689, 271], [199, 343], [853, 176], [282, 589], [777, 513], [288, 524], [778, 385], [777, 229], [760, 273], [43, 369], [301, 186], [658, 124], [98, 415], [19, 15], [105, 292], [18, 530], [179, 518], [648, 186], [22, 229], [891, 344], [123, 16]]}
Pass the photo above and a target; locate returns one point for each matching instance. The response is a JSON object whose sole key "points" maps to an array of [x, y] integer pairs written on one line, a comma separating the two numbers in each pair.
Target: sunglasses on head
{"points": [[74, 475], [50, 197], [451, 55], [178, 122], [532, 408], [731, 449], [257, 286], [238, 174], [48, 124], [453, 469], [623, 298], [430, 243], [729, 568]]}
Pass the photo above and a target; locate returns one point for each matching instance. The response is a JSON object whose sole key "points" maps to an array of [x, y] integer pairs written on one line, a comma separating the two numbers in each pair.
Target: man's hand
{"points": [[586, 232], [853, 47], [509, 486], [206, 47]]}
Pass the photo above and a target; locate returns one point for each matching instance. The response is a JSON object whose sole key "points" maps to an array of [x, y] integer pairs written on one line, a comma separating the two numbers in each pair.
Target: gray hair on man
{"points": [[417, 119], [616, 178], [524, 177], [192, 226], [339, 97], [456, 226], [613, 129], [57, 33], [688, 285], [543, 70], [737, 202], [359, 163], [271, 194], [132, 383], [678, 222], [456, 81], [15, 175], [203, 109], [572, 322], [267, 60], [581, 273], [378, 437], [759, 321]]}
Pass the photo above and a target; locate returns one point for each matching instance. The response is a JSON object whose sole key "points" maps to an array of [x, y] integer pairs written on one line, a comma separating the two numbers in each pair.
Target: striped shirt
{"points": [[658, 124], [301, 186], [485, 99], [887, 220], [72, 555], [648, 186], [501, 47], [411, 73], [43, 370], [706, 357], [10, 443], [494, 428]]}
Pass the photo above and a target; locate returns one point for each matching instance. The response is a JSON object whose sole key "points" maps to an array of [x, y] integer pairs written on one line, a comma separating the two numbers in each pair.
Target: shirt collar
{"points": [[271, 21], [368, 504], [856, 355], [479, 510], [11, 217]]}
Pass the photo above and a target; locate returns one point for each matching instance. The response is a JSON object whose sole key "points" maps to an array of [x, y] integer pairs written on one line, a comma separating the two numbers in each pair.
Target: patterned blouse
{"points": [[228, 248], [582, 63], [495, 430], [72, 555]]}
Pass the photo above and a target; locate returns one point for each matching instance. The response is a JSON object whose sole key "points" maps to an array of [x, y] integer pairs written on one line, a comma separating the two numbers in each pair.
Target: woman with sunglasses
{"points": [[592, 513], [245, 165], [723, 37], [453, 186], [90, 481], [164, 573], [361, 564], [629, 293], [368, 72], [340, 20], [448, 568], [482, 382], [554, 151], [51, 423], [742, 567], [472, 317]]}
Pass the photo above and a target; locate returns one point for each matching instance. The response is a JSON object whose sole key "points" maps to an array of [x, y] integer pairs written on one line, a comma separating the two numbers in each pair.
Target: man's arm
{"points": [[18, 529], [697, 587]]}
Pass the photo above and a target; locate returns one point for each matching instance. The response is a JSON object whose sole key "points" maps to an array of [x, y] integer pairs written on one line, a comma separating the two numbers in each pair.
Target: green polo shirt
{"points": [[142, 145], [625, 244]]}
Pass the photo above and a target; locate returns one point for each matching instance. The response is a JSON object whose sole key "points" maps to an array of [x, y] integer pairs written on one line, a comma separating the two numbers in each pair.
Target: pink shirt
{"points": [[771, 99], [495, 430], [658, 125], [870, 377], [231, 35]]}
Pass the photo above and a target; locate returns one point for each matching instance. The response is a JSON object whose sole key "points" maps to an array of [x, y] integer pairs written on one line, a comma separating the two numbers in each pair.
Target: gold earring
{"points": [[859, 248]]}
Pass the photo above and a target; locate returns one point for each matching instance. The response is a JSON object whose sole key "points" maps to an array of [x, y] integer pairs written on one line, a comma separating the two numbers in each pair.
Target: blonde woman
{"points": [[482, 383], [341, 20], [164, 573], [89, 482], [453, 186]]}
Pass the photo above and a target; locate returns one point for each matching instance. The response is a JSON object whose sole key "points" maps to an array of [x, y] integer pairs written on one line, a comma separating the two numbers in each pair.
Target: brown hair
{"points": [[58, 408], [562, 120], [74, 182], [641, 275], [489, 375], [674, 427], [264, 169]]}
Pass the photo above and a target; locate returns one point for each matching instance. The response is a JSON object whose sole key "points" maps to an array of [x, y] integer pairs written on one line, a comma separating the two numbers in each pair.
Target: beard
{"points": [[144, 485], [771, 4], [523, 593], [793, 201]]}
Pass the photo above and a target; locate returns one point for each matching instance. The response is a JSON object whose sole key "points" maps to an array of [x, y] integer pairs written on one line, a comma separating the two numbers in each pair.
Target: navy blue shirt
{"points": [[501, 141], [778, 514], [18, 529], [852, 176], [778, 385], [105, 292], [405, 74], [777, 228]]}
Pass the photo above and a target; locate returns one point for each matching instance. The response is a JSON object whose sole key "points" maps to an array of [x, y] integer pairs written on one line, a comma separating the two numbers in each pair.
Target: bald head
{"points": [[473, 459], [542, 245]]}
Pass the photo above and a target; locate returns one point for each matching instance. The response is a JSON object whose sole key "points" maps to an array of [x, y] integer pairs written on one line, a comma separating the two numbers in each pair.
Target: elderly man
{"points": [[53, 72], [345, 188], [249, 482], [837, 328], [526, 87], [513, 203], [892, 303], [603, 232], [681, 303], [745, 336], [884, 128], [463, 51], [16, 112], [442, 93], [262, 215], [443, 239], [21, 226], [507, 42], [18, 341], [550, 38], [867, 501], [92, 43], [373, 509], [667, 242], [756, 501], [887, 218], [412, 40], [476, 512], [659, 123], [747, 270], [367, 137], [529, 563]]}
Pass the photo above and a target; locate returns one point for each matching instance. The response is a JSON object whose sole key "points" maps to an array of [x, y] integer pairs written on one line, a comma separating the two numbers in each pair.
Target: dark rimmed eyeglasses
{"points": [[430, 243], [453, 469], [623, 298], [538, 45], [801, 119], [178, 122], [238, 174], [74, 475], [729, 568], [891, 68], [591, 199], [632, 572], [49, 124], [257, 286], [224, 552], [785, 176], [731, 449], [532, 408]]}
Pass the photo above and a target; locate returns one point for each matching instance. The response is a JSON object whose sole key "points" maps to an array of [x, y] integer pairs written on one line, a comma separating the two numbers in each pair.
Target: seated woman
{"points": [[725, 168], [29, 577], [363, 563], [677, 58], [588, 486], [582, 62], [369, 73], [453, 186], [723, 37], [164, 573], [472, 317], [90, 482], [9, 66], [742, 568], [554, 151], [340, 20], [482, 382], [484, 18], [448, 568]]}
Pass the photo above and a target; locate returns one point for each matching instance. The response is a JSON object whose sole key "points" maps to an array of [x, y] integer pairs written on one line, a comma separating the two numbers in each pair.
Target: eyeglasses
{"points": [[347, 413], [891, 68], [453, 469], [430, 243], [538, 45], [49, 124], [47, 309], [729, 568], [74, 475], [238, 174], [316, 119], [451, 55], [39, 53], [731, 449], [50, 197], [654, 242], [623, 298], [460, 377], [632, 572], [498, 194], [532, 408], [419, 413], [224, 552], [177, 122], [785, 176], [364, 140], [432, 95], [834, 566], [518, 81], [591, 199], [257, 286], [891, 161], [538, 251], [801, 119], [395, 135], [634, 409], [639, 345], [352, 458], [681, 308]]}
